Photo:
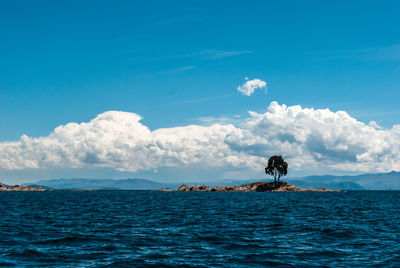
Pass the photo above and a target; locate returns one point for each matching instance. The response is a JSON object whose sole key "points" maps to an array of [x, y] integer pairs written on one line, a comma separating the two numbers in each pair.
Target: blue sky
{"points": [[177, 63]]}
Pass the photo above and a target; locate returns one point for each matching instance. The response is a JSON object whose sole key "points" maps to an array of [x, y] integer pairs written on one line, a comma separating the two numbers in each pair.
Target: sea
{"points": [[200, 229]]}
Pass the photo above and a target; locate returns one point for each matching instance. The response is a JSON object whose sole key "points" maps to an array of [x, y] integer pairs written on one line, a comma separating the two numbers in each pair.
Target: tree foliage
{"points": [[277, 167]]}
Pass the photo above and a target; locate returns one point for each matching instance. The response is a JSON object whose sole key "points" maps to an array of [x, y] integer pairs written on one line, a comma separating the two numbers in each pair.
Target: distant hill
{"points": [[379, 181], [105, 184]]}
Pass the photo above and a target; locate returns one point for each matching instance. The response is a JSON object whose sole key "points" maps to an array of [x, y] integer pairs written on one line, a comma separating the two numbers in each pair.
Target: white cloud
{"points": [[221, 54], [386, 53], [180, 69], [250, 86], [211, 54], [311, 140]]}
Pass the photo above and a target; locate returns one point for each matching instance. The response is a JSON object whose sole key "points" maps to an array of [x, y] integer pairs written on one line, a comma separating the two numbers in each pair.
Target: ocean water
{"points": [[206, 229]]}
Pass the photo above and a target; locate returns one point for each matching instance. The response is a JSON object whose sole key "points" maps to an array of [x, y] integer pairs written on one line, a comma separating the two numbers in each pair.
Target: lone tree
{"points": [[277, 167]]}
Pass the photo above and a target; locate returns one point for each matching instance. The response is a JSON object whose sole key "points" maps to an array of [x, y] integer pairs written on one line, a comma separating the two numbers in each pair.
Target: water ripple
{"points": [[172, 229]]}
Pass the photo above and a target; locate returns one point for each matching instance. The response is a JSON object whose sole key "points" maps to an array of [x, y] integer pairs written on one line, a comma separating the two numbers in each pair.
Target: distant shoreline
{"points": [[387, 181]]}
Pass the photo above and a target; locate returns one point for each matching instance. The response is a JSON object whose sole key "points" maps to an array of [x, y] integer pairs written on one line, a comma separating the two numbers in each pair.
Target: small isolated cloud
{"points": [[250, 86]]}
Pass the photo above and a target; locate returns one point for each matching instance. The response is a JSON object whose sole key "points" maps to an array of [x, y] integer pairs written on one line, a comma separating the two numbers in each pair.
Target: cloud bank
{"points": [[250, 86], [311, 141]]}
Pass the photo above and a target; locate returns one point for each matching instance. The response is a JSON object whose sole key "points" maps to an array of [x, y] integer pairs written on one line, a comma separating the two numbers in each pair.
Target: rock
{"points": [[2, 187], [252, 187], [165, 190], [278, 187], [193, 188], [21, 188]]}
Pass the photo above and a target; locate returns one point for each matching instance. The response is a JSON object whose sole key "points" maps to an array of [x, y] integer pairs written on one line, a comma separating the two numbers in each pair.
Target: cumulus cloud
{"points": [[320, 139], [250, 86], [311, 140]]}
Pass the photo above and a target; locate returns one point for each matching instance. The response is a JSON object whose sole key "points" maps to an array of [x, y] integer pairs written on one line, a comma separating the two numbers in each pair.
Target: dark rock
{"points": [[193, 188]]}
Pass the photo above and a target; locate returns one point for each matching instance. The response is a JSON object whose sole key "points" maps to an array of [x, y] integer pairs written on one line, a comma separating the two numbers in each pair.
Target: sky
{"points": [[197, 90]]}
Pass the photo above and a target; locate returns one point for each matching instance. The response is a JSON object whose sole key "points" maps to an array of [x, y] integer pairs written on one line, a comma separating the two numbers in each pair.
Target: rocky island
{"points": [[252, 187], [277, 167], [17, 188]]}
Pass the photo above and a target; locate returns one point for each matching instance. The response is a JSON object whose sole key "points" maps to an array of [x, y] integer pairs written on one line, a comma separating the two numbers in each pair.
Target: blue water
{"points": [[172, 229]]}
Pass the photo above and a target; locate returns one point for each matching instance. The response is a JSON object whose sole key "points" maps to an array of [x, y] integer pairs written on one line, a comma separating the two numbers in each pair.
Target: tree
{"points": [[277, 167]]}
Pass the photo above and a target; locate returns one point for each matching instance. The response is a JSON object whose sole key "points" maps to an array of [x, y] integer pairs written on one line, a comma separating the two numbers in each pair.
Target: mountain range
{"points": [[379, 181], [103, 184]]}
